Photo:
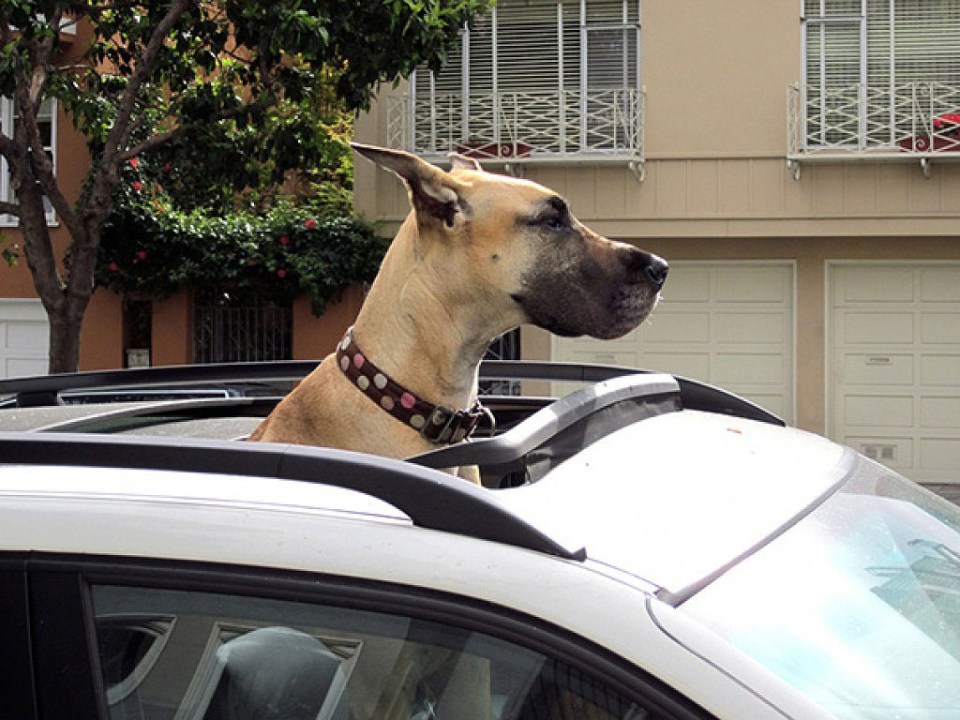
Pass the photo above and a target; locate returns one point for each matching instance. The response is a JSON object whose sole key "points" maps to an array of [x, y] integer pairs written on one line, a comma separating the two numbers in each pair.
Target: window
{"points": [[882, 73], [47, 118], [535, 76], [241, 327], [206, 656]]}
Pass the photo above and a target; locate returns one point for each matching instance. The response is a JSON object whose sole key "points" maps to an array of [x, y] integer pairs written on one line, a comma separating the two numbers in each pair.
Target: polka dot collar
{"points": [[436, 423]]}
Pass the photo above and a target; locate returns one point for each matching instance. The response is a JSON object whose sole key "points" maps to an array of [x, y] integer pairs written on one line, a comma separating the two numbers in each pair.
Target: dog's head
{"points": [[515, 245]]}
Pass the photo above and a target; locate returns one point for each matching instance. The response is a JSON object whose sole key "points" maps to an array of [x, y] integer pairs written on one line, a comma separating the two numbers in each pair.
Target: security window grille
{"points": [[881, 73], [230, 327], [47, 120], [542, 77]]}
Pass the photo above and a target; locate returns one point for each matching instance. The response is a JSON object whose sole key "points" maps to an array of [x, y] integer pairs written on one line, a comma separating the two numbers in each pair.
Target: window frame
{"points": [[17, 697], [61, 604]]}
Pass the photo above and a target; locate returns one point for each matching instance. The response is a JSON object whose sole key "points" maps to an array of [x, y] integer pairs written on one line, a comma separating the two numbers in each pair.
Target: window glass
{"points": [[858, 605], [203, 656], [882, 73], [535, 76]]}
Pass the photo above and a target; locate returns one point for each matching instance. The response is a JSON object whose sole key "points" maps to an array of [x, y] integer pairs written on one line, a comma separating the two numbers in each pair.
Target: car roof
{"points": [[672, 500], [620, 472]]}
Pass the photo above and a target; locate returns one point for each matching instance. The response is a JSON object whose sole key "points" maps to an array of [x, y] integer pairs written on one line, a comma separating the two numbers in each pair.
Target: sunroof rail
{"points": [[44, 390], [564, 428]]}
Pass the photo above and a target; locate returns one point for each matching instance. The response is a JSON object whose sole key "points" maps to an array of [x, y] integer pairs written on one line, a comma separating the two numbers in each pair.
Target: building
{"points": [[794, 161]]}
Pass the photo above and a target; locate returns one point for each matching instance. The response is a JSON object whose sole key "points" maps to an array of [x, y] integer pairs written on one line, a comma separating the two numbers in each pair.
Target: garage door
{"points": [[895, 365], [728, 324], [23, 338]]}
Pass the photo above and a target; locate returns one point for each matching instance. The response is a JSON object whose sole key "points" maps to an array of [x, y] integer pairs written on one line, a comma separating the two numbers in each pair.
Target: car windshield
{"points": [[858, 605]]}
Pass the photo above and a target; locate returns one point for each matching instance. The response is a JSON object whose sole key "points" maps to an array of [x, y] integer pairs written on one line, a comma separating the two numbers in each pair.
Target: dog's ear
{"points": [[433, 192], [462, 162]]}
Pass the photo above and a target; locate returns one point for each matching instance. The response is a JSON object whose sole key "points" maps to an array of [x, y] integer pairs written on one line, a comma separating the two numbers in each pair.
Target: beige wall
{"points": [[716, 75]]}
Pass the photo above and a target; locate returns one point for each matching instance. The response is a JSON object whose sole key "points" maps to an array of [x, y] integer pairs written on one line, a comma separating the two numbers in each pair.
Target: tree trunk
{"points": [[65, 300], [65, 340]]}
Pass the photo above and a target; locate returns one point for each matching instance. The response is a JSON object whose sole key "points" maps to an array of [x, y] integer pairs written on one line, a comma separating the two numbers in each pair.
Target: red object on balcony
{"points": [[949, 141], [495, 150], [947, 120]]}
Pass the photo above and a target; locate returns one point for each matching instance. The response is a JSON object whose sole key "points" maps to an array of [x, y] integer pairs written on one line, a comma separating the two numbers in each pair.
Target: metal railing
{"points": [[603, 124], [864, 121]]}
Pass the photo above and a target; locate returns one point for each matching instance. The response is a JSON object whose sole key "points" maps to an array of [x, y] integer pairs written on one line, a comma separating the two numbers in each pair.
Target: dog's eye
{"points": [[552, 221], [553, 217]]}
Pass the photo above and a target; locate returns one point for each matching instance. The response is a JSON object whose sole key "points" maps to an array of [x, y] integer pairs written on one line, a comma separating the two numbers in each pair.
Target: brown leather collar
{"points": [[436, 423]]}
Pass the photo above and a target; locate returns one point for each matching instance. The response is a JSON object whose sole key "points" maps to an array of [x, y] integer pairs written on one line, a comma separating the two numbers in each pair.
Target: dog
{"points": [[478, 255]]}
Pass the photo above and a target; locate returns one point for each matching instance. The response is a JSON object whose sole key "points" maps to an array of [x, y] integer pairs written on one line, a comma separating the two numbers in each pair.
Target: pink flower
{"points": [[113, 267], [138, 186], [141, 255], [281, 273], [159, 187], [310, 223], [134, 163], [284, 240]]}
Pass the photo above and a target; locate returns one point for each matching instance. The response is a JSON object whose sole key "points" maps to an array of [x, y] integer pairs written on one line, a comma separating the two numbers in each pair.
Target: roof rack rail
{"points": [[431, 499], [560, 430], [45, 390]]}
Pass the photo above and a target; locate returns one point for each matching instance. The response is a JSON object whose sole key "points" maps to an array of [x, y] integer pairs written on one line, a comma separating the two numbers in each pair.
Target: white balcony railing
{"points": [[523, 127], [868, 122]]}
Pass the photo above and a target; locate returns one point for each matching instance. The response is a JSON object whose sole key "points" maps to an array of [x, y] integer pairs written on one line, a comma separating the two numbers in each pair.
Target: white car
{"points": [[634, 559]]}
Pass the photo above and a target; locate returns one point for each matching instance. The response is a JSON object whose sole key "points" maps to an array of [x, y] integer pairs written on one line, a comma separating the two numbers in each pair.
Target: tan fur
{"points": [[448, 286]]}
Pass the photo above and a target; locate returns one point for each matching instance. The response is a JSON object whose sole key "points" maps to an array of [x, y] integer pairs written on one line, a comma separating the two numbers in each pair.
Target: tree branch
{"points": [[165, 137], [107, 175], [143, 68], [9, 208], [29, 100], [8, 148]]}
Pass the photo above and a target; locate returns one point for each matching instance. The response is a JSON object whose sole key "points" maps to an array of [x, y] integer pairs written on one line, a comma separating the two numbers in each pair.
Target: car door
{"points": [[147, 640]]}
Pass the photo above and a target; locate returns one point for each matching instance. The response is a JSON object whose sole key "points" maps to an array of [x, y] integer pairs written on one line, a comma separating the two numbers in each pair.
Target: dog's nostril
{"points": [[656, 270]]}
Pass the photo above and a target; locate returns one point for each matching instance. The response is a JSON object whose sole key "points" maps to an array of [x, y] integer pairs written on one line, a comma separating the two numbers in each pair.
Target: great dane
{"points": [[478, 255]]}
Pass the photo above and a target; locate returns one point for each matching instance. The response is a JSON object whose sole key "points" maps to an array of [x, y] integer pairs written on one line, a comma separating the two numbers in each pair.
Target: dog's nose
{"points": [[656, 270]]}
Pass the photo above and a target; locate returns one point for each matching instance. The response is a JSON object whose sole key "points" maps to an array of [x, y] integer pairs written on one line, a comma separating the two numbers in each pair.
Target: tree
{"points": [[214, 77]]}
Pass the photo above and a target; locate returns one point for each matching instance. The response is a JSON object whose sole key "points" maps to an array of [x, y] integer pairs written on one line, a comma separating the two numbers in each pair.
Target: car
{"points": [[645, 546]]}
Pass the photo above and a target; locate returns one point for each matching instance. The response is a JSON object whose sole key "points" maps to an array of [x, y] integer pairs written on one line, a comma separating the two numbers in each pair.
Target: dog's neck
{"points": [[429, 343], [436, 363]]}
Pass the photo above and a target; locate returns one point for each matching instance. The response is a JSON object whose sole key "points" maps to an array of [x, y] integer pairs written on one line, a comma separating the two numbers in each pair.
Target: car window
{"points": [[858, 605], [180, 655]]}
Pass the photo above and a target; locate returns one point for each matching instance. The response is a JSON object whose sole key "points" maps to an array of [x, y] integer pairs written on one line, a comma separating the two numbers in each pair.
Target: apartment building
{"points": [[796, 162]]}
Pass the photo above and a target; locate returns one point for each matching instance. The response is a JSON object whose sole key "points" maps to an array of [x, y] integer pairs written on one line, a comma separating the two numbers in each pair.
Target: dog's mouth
{"points": [[568, 317], [604, 291]]}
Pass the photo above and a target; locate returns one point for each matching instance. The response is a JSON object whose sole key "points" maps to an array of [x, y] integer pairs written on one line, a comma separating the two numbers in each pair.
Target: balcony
{"points": [[918, 122], [524, 128]]}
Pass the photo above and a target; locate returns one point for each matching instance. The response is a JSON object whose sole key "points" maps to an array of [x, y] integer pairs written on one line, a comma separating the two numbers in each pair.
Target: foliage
{"points": [[227, 91], [9, 252], [151, 247]]}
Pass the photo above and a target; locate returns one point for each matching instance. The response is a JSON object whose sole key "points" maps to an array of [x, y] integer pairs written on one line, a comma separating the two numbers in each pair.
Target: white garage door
{"points": [[895, 365], [24, 338], [728, 324]]}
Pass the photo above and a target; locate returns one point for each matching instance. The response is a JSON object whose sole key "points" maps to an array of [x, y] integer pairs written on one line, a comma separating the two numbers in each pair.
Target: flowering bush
{"points": [[149, 246]]}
